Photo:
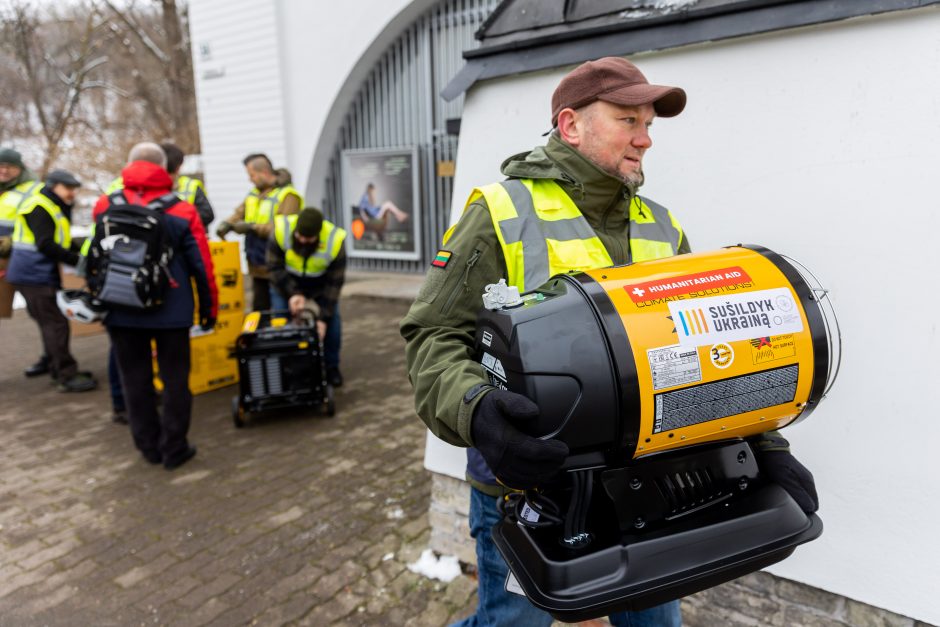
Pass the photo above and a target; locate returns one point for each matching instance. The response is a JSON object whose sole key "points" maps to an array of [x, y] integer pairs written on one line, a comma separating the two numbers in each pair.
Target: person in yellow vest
{"points": [[187, 188], [16, 184], [254, 219], [569, 205], [41, 241], [307, 260]]}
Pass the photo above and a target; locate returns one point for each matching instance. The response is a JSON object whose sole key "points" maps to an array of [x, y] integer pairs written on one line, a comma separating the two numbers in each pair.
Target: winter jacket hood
{"points": [[146, 176]]}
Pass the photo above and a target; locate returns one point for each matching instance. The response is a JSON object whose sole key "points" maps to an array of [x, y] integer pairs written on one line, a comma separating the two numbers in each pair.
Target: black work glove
{"points": [[223, 229], [207, 323], [784, 470], [517, 460]]}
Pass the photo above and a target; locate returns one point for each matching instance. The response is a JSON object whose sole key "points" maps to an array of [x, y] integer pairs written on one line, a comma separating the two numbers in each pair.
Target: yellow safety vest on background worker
{"points": [[542, 232], [28, 265], [115, 185], [261, 208], [330, 243], [186, 187], [12, 200]]}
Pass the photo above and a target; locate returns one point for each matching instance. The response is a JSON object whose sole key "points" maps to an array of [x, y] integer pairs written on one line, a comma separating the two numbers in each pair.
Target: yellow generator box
{"points": [[226, 264], [226, 261], [210, 366]]}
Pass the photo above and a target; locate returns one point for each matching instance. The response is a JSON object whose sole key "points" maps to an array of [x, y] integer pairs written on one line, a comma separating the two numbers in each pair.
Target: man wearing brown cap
{"points": [[569, 205]]}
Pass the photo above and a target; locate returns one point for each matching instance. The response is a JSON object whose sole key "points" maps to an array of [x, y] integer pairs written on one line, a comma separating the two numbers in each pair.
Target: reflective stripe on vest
{"points": [[186, 187], [542, 232], [23, 236], [261, 208], [330, 243], [13, 200]]}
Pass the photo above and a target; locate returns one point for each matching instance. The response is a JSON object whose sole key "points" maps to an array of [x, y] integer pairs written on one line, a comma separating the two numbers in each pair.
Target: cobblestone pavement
{"points": [[296, 520]]}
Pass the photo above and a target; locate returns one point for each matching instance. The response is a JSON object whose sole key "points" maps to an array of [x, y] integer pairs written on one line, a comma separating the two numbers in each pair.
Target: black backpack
{"points": [[129, 256]]}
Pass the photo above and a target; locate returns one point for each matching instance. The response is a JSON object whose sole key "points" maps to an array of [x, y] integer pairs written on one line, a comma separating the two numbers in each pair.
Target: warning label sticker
{"points": [[674, 365], [494, 365], [686, 283], [736, 317], [764, 349], [729, 397]]}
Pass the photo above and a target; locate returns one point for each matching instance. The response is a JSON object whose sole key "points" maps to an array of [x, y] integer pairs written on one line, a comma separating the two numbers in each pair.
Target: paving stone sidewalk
{"points": [[298, 519]]}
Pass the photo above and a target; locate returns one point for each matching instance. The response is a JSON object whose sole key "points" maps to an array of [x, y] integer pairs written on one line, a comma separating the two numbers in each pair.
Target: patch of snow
{"points": [[395, 514], [387, 557], [672, 4], [446, 568]]}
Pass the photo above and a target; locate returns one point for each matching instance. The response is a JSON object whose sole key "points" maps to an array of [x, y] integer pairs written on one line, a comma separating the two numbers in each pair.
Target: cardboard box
{"points": [[6, 299]]}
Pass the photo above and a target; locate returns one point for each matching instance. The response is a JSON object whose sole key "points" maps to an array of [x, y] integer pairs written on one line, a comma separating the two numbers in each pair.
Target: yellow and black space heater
{"points": [[657, 375]]}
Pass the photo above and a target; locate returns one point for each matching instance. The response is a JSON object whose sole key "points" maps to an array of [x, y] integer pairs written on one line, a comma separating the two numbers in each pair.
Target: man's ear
{"points": [[568, 127]]}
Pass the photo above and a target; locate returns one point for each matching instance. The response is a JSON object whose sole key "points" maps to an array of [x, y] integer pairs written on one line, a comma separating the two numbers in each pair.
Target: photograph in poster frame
{"points": [[381, 203]]}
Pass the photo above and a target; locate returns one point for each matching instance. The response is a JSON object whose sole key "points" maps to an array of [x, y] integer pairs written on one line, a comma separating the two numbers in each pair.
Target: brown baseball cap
{"points": [[616, 80]]}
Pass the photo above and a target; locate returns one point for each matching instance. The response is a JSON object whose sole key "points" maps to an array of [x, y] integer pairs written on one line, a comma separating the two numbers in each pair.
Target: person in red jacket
{"points": [[162, 438]]}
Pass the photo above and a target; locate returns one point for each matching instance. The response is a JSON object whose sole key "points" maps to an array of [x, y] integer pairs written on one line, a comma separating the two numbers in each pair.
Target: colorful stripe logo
{"points": [[693, 322], [441, 259]]}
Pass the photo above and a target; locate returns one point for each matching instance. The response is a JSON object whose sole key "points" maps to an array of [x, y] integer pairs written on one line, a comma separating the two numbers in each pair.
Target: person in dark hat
{"points": [[16, 184], [41, 241], [308, 267], [582, 189]]}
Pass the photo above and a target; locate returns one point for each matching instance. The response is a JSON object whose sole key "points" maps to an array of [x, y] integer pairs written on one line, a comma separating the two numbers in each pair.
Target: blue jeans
{"points": [[497, 607], [334, 330]]}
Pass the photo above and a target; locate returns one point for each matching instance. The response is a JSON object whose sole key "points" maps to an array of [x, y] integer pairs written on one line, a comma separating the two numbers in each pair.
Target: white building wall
{"points": [[286, 66], [239, 92], [821, 143]]}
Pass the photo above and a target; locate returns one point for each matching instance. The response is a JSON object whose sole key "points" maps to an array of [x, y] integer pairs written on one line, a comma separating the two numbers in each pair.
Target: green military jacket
{"points": [[439, 328]]}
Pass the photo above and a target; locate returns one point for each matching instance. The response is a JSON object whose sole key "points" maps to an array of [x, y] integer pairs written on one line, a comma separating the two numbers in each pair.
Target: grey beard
{"points": [[634, 180]]}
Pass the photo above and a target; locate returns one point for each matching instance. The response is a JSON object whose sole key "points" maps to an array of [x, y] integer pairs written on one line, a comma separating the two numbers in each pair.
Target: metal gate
{"points": [[399, 105]]}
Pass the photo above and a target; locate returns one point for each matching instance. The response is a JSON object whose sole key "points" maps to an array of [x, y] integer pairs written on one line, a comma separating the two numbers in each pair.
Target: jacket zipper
{"points": [[624, 255], [463, 282]]}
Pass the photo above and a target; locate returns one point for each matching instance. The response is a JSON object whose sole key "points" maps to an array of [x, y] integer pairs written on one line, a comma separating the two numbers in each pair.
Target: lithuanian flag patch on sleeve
{"points": [[441, 259]]}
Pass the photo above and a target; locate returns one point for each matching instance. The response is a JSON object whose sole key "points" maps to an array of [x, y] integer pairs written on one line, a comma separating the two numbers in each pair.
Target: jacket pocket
{"points": [[461, 284], [434, 281]]}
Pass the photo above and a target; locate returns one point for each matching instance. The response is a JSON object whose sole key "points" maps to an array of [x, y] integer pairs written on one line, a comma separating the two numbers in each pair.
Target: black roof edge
{"points": [[682, 28], [554, 35]]}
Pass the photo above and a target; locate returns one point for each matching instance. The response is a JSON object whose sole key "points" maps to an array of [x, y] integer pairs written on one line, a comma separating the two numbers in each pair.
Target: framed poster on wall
{"points": [[382, 203]]}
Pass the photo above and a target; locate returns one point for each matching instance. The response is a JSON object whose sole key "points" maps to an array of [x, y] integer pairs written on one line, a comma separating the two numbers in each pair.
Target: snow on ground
{"points": [[446, 568]]}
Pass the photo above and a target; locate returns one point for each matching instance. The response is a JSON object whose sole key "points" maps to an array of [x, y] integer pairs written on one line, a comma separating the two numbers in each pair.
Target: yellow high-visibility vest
{"points": [[261, 208], [115, 185], [542, 232], [11, 201], [186, 187], [328, 248], [23, 236]]}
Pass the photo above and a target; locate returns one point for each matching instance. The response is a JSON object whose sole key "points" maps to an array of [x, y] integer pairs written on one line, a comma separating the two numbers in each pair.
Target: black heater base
{"points": [[642, 570]]}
